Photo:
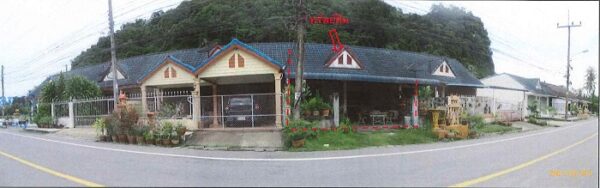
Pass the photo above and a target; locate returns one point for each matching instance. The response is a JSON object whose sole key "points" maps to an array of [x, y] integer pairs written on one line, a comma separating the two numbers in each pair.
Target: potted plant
{"points": [[296, 133], [139, 135], [131, 136], [149, 137], [325, 108], [174, 137], [166, 130], [100, 125]]}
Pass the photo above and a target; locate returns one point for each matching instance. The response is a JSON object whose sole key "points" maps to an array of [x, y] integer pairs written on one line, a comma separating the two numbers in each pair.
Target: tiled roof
{"points": [[379, 65]]}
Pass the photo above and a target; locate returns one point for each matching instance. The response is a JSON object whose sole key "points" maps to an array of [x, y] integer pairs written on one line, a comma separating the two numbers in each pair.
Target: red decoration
{"points": [[334, 19], [335, 40]]}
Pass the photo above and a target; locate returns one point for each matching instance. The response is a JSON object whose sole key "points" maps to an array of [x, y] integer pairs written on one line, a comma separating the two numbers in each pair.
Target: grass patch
{"points": [[493, 128], [340, 141]]}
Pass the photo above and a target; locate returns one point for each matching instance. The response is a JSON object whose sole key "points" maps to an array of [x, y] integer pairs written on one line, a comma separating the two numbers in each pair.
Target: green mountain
{"points": [[448, 31]]}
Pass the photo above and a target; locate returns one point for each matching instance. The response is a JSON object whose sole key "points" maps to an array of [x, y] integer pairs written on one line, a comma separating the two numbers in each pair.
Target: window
{"points": [[240, 61], [173, 73], [446, 68], [348, 60], [166, 73], [232, 61], [341, 60]]}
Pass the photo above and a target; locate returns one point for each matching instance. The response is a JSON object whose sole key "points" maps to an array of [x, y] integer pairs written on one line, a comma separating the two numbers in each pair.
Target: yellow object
{"points": [[52, 172], [435, 116], [463, 130]]}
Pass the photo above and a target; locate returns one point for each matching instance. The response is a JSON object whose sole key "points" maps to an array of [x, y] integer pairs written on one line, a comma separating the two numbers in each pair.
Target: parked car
{"points": [[239, 111]]}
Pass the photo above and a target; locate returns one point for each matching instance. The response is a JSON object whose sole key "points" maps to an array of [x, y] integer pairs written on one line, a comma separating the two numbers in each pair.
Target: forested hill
{"points": [[448, 31]]}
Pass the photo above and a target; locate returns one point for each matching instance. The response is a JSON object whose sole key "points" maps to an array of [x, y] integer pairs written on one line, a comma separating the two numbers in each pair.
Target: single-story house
{"points": [[364, 78], [517, 91]]}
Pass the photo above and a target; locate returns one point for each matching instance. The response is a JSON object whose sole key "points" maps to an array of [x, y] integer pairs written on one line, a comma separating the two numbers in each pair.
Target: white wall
{"points": [[505, 99]]}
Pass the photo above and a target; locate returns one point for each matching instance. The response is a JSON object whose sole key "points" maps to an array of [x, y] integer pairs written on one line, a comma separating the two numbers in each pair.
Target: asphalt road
{"points": [[550, 157]]}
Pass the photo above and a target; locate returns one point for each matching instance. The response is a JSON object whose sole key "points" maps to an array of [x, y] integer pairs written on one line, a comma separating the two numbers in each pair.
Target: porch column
{"points": [[215, 123], [345, 99], [196, 111], [144, 102], [278, 100]]}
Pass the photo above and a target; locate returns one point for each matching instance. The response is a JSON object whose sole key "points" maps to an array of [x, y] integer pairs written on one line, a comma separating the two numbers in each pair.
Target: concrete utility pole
{"points": [[568, 26], [3, 91], [301, 31], [113, 54]]}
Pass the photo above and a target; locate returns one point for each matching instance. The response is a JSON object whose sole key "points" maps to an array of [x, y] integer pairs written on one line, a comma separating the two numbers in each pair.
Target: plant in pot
{"points": [[131, 135], [167, 128], [174, 137], [100, 125], [139, 134], [295, 136], [325, 108], [149, 136]]}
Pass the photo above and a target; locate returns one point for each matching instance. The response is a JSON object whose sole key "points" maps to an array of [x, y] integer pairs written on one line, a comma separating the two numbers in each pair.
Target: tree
{"points": [[445, 31], [590, 81]]}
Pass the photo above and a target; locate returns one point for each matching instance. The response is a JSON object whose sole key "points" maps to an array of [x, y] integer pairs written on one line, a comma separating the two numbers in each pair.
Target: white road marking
{"points": [[294, 159]]}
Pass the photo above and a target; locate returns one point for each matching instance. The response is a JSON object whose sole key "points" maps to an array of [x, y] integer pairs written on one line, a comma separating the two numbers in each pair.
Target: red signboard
{"points": [[334, 19]]}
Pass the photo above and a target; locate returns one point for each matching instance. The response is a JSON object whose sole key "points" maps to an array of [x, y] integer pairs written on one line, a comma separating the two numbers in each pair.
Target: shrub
{"points": [[298, 129], [100, 125], [475, 121]]}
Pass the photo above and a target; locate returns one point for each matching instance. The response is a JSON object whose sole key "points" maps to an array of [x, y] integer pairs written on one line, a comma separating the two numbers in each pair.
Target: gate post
{"points": [[336, 109], [71, 123], [52, 110], [196, 108]]}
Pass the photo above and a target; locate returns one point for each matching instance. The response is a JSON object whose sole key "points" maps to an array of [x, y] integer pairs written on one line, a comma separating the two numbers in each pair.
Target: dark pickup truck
{"points": [[239, 109]]}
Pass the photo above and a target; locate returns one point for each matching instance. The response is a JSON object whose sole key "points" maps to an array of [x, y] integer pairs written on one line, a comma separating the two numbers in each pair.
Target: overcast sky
{"points": [[39, 37]]}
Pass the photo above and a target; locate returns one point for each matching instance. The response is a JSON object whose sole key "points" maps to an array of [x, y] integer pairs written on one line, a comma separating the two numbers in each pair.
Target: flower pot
{"points": [[122, 138], [334, 129], [315, 113], [130, 139], [314, 129], [325, 112], [175, 141], [298, 143], [114, 138], [139, 140], [354, 128], [166, 142]]}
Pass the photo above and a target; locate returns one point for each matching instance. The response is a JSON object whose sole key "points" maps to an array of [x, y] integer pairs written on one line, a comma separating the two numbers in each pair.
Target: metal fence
{"points": [[243, 110], [219, 111]]}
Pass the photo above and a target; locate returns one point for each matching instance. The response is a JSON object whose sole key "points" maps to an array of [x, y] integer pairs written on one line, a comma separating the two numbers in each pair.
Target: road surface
{"points": [[551, 157]]}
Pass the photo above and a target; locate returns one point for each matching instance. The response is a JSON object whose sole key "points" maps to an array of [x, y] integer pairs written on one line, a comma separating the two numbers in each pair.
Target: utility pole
{"points": [[568, 26], [113, 54], [301, 31], [3, 99], [66, 67]]}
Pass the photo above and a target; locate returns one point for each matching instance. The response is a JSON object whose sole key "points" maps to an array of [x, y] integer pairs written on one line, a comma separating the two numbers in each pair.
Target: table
{"points": [[380, 118]]}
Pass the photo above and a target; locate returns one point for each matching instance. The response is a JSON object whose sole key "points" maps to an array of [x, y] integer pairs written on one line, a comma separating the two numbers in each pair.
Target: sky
{"points": [[39, 37]]}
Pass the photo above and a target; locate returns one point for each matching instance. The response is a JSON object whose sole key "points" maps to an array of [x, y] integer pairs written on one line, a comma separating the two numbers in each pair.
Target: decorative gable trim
{"points": [[168, 61], [214, 50], [120, 75], [231, 47], [344, 59], [444, 70]]}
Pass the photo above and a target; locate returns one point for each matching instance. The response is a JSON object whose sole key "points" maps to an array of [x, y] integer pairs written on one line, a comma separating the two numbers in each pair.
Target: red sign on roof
{"points": [[334, 19]]}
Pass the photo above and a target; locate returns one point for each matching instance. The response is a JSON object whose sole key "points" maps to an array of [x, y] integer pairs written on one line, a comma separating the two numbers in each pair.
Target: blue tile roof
{"points": [[379, 65]]}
